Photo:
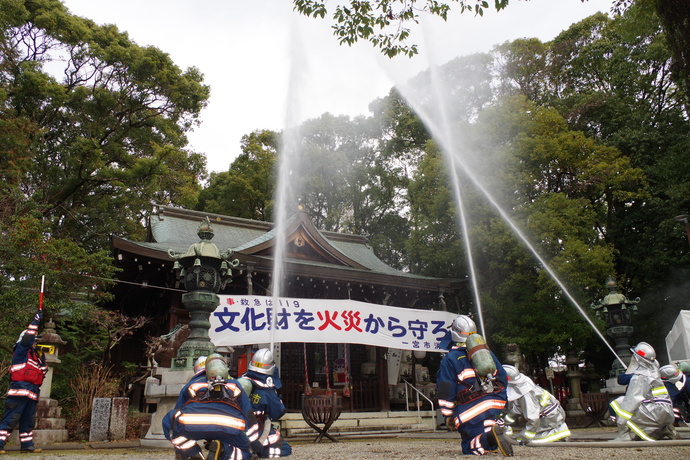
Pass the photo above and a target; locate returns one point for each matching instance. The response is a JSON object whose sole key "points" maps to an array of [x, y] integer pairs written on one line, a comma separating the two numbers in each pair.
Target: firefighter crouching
{"points": [[645, 412], [219, 412], [190, 389], [544, 415], [472, 391], [261, 382], [678, 387]]}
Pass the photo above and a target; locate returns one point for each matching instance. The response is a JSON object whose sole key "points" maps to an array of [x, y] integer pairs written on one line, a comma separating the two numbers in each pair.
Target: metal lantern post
{"points": [[203, 271], [617, 311]]}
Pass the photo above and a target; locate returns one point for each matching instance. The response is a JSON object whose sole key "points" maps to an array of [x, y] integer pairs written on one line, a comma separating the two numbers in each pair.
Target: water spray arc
{"points": [[288, 159], [459, 202], [439, 127]]}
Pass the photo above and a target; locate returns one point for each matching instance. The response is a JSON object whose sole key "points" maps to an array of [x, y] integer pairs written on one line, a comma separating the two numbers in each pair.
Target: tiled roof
{"points": [[176, 229]]}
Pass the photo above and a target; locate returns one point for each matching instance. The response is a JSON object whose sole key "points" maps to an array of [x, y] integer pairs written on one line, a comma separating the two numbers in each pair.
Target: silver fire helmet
{"points": [[644, 350], [199, 364], [512, 372], [462, 327], [262, 362], [670, 372]]}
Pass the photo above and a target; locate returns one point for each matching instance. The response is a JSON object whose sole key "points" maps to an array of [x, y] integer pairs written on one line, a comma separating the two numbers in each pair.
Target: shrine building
{"points": [[318, 265]]}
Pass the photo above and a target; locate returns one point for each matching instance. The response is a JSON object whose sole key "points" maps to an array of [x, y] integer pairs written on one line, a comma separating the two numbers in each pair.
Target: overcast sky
{"points": [[255, 53]]}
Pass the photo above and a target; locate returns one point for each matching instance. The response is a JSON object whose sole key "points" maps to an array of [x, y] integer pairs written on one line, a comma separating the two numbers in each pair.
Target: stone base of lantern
{"points": [[163, 391]]}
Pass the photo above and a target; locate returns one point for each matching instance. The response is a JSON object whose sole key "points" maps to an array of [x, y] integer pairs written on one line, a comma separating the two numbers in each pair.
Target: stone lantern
{"points": [[203, 271], [49, 345], [50, 425], [617, 311]]}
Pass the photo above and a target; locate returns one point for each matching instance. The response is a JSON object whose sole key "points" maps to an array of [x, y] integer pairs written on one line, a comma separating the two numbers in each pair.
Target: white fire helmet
{"points": [[199, 364], [518, 383], [462, 327], [262, 362], [671, 373], [644, 350], [512, 372]]}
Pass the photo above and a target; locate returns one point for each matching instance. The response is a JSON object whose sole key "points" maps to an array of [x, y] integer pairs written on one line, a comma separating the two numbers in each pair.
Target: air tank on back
{"points": [[482, 360]]}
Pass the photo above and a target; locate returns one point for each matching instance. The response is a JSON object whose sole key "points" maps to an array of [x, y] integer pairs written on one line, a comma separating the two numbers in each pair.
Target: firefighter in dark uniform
{"points": [[197, 381], [678, 387], [469, 406], [261, 382], [27, 372], [219, 412]]}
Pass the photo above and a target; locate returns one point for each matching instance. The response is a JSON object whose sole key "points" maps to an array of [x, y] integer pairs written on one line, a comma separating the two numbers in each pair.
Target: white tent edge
{"points": [[678, 339]]}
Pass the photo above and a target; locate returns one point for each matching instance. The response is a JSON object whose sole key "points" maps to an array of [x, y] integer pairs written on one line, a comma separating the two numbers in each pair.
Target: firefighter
{"points": [[190, 389], [469, 406], [217, 411], [261, 382], [678, 387], [27, 371], [544, 415], [645, 411]]}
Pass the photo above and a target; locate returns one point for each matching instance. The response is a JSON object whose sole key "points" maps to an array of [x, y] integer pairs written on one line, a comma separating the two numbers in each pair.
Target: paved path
{"points": [[401, 447]]}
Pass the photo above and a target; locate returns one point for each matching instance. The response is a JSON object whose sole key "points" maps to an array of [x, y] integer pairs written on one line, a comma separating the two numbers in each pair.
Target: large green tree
{"points": [[92, 131], [613, 79], [556, 185], [246, 189], [93, 124]]}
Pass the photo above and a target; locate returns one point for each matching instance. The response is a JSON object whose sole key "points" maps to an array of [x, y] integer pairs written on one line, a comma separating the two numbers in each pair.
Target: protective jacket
{"points": [[267, 407], [27, 371], [545, 418], [646, 406], [28, 368], [225, 415], [460, 397]]}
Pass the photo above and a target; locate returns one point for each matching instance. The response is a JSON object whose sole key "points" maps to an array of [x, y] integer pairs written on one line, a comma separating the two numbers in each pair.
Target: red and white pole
{"points": [[40, 296]]}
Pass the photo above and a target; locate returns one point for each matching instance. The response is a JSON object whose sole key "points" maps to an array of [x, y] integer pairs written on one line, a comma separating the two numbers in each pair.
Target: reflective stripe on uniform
{"points": [[183, 443], [476, 445], [466, 374], [619, 411], [480, 408], [208, 419], [660, 391], [195, 387], [640, 432], [446, 407], [554, 437], [545, 399], [22, 393]]}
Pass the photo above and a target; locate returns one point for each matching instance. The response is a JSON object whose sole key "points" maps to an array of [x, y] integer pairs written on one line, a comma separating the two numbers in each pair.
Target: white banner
{"points": [[246, 320]]}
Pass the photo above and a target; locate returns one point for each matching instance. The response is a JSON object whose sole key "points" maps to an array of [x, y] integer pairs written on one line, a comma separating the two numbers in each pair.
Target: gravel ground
{"points": [[388, 449]]}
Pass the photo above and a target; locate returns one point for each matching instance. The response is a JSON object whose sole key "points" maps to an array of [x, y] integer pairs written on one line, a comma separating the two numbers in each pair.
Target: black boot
{"points": [[497, 437]]}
